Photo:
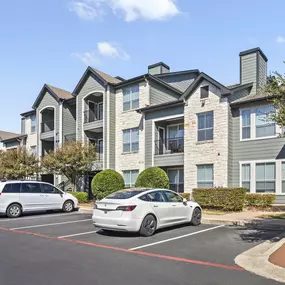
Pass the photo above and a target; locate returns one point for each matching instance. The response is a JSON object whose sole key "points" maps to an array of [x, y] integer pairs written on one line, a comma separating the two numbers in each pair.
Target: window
{"points": [[33, 123], [265, 177], [245, 176], [33, 149], [175, 138], [49, 189], [283, 177], [265, 127], [204, 92], [156, 196], [125, 194], [131, 140], [205, 126], [130, 177], [176, 180], [172, 197], [130, 98], [12, 188], [205, 177], [245, 124], [31, 188], [144, 198]]}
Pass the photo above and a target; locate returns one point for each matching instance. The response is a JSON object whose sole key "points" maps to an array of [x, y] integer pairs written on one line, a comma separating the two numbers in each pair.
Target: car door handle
{"points": [[155, 206], [173, 205]]}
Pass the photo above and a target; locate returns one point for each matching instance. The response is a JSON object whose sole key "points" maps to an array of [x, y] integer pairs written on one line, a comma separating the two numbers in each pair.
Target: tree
{"points": [[18, 164], [71, 159], [153, 177], [107, 182], [275, 91]]}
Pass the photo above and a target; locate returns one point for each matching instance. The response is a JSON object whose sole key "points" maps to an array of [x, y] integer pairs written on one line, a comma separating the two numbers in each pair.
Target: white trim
{"points": [[197, 124], [107, 127], [60, 131], [153, 142], [164, 137], [168, 117], [76, 123]]}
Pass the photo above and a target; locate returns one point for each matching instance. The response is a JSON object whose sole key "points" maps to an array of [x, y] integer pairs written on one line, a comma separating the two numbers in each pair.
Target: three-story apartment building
{"points": [[201, 132]]}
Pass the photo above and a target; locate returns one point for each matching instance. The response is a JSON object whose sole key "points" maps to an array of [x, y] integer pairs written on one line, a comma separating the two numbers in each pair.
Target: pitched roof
{"points": [[60, 93], [250, 98], [28, 113], [7, 135], [108, 78], [175, 103]]}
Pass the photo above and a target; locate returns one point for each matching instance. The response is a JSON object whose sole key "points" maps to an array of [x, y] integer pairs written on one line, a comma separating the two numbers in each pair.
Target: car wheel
{"points": [[196, 217], [68, 206], [14, 211], [148, 226]]}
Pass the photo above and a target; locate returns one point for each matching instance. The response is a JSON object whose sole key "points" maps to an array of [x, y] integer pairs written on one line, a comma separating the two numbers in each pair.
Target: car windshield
{"points": [[126, 194]]}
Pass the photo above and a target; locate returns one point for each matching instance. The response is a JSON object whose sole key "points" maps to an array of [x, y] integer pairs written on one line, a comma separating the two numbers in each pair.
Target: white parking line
{"points": [[53, 224], [79, 234], [175, 238]]}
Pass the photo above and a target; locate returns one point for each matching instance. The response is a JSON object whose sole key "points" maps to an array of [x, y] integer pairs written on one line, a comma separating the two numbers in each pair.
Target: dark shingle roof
{"points": [[108, 78], [60, 93], [7, 135]]}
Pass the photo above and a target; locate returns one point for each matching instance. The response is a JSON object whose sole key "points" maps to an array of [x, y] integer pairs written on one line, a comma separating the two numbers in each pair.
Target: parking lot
{"points": [[58, 248]]}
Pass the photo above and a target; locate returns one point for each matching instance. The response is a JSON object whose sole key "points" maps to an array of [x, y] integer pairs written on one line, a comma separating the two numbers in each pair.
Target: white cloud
{"points": [[109, 50], [280, 40], [103, 49], [130, 9]]}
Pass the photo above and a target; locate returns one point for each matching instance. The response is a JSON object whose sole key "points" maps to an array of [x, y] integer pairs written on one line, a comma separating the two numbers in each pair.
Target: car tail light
{"points": [[126, 208]]}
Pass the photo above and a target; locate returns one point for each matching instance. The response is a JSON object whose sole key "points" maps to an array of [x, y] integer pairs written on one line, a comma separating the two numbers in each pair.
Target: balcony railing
{"points": [[175, 145], [99, 146], [47, 126], [92, 116]]}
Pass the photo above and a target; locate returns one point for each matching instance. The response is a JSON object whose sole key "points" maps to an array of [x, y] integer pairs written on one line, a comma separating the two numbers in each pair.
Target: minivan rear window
{"points": [[12, 188], [125, 194]]}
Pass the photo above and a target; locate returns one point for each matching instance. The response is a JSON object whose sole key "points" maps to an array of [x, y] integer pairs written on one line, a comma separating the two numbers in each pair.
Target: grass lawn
{"points": [[273, 216]]}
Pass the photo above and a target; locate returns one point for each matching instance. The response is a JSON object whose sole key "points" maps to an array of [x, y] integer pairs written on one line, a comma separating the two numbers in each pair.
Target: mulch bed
{"points": [[278, 257]]}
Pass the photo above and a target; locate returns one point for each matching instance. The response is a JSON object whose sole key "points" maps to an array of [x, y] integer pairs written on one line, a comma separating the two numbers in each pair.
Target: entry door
{"points": [[53, 197], [161, 142]]}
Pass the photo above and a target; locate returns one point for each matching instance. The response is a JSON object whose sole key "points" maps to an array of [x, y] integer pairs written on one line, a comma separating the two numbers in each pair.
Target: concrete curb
{"points": [[256, 260], [210, 221]]}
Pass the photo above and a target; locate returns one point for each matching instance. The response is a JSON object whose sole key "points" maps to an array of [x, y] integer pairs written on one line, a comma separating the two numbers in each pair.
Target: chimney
{"points": [[158, 68], [253, 69]]}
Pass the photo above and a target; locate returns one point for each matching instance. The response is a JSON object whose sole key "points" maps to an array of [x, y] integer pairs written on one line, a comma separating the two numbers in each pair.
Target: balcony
{"points": [[47, 130], [93, 120], [98, 164]]}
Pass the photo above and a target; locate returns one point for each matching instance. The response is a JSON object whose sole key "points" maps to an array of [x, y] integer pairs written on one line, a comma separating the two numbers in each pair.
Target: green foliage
{"points": [[153, 177], [185, 195], [18, 164], [82, 197], [259, 200], [227, 199], [106, 182], [71, 159]]}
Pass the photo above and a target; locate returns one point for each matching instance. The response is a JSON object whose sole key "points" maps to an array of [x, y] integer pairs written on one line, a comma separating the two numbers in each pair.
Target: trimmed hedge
{"points": [[185, 195], [259, 200], [227, 199], [82, 197], [153, 177], [106, 182]]}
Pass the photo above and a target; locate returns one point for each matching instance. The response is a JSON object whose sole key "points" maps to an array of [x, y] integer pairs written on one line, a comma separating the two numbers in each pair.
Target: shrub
{"points": [[82, 197], [185, 195], [153, 177], [227, 199], [106, 182], [259, 200]]}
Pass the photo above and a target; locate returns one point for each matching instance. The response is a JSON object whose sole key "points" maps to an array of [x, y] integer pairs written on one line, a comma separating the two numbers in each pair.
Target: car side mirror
{"points": [[184, 201]]}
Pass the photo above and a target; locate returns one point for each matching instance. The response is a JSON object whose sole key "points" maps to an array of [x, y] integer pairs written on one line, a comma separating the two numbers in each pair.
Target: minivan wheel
{"points": [[14, 211], [68, 206], [148, 226], [196, 217]]}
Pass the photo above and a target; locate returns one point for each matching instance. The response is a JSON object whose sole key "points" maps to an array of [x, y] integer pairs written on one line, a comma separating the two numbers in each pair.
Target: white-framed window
{"points": [[283, 177], [131, 98], [265, 177], [33, 124], [176, 179], [131, 140], [257, 123], [245, 176], [130, 177], [205, 126], [205, 176]]}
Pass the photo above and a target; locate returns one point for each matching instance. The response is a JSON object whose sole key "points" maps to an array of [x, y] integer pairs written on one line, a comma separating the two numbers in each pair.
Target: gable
{"points": [[160, 94]]}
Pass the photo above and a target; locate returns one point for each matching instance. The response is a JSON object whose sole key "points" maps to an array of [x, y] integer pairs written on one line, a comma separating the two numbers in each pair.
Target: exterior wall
{"points": [[68, 121], [155, 70], [249, 70], [159, 94], [209, 152], [262, 71], [179, 81], [112, 130], [31, 137], [127, 120]]}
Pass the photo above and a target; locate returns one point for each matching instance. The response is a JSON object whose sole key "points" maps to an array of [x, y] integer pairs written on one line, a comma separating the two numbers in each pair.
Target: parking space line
{"points": [[79, 234], [175, 238], [52, 224]]}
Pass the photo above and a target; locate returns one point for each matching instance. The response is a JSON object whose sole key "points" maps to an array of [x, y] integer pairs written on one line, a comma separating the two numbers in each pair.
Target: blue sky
{"points": [[52, 41]]}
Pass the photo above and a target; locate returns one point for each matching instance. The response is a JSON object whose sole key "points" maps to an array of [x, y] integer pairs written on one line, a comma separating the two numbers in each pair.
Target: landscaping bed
{"points": [[278, 257]]}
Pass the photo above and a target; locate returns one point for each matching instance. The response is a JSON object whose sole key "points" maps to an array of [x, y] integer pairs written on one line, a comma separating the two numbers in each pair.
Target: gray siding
{"points": [[112, 129], [155, 70], [174, 159], [23, 125], [239, 94], [251, 150], [68, 120], [93, 125], [179, 81], [230, 155], [262, 72], [159, 94], [91, 84], [149, 139], [249, 69], [105, 129]]}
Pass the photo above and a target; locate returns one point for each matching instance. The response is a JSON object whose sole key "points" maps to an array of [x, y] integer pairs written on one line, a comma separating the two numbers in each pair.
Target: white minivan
{"points": [[17, 197]]}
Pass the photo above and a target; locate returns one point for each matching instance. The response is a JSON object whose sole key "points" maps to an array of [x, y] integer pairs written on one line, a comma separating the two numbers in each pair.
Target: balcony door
{"points": [[91, 111], [175, 138], [161, 141]]}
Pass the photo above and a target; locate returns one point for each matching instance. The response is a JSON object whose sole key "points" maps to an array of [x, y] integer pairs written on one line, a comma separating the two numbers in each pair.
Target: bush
{"points": [[227, 199], [106, 182], [259, 200], [153, 177], [82, 197], [185, 195]]}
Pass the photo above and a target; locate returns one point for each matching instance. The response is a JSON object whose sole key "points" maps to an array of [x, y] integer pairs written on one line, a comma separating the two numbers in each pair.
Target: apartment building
{"points": [[201, 132]]}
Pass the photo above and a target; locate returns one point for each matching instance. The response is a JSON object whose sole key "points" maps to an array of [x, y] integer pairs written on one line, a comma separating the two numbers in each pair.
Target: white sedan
{"points": [[144, 211]]}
